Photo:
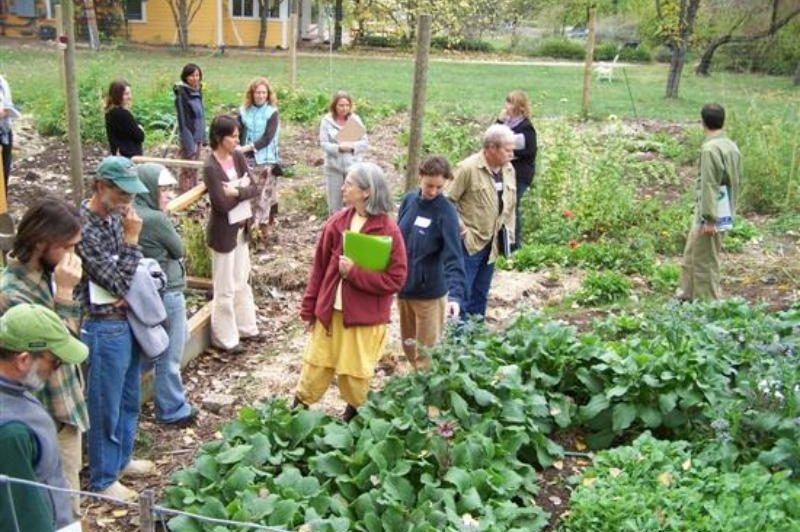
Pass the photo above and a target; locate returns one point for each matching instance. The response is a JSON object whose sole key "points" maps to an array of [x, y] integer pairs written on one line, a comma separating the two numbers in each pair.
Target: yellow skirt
{"points": [[353, 351]]}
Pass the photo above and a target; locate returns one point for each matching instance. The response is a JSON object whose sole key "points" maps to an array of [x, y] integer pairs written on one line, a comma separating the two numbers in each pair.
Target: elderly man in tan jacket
{"points": [[484, 193]]}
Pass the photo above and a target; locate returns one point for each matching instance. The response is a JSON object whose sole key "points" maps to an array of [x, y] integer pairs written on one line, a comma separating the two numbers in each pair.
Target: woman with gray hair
{"points": [[346, 306]]}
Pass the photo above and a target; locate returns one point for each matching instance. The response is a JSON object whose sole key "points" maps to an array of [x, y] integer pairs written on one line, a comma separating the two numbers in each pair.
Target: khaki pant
{"points": [[700, 271], [69, 442], [314, 382], [233, 311], [421, 324]]}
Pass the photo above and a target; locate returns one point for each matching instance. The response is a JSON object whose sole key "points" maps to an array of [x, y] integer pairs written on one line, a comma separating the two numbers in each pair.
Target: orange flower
{"points": [[569, 214], [572, 244]]}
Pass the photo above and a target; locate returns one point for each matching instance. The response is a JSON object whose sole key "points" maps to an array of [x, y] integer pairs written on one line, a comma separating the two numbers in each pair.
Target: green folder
{"points": [[371, 252]]}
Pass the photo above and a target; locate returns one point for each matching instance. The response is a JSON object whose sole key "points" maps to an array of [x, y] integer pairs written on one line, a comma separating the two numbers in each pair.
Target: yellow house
{"points": [[217, 22]]}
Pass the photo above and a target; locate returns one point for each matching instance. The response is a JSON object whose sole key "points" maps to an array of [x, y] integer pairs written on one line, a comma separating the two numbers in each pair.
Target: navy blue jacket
{"points": [[433, 248]]}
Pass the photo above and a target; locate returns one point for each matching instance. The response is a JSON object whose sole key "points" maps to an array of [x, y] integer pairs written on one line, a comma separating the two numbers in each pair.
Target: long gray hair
{"points": [[370, 178]]}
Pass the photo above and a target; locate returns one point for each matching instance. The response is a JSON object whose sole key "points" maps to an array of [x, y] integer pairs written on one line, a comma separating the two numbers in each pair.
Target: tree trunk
{"points": [[708, 54], [676, 62], [338, 16], [183, 26], [797, 74], [262, 27]]}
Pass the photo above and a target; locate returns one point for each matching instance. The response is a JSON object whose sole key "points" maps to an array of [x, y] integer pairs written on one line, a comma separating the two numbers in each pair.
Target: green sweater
{"points": [[18, 449], [720, 164], [159, 239]]}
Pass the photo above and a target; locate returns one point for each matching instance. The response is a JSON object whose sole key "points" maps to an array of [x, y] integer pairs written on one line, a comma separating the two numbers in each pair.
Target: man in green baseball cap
{"points": [[121, 172], [33, 343]]}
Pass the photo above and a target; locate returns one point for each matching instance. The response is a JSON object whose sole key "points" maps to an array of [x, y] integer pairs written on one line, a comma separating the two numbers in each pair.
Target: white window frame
{"points": [[255, 11], [142, 20], [254, 16]]}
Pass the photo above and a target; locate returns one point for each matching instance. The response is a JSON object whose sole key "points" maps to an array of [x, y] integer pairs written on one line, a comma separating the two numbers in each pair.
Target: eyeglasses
{"points": [[55, 362]]}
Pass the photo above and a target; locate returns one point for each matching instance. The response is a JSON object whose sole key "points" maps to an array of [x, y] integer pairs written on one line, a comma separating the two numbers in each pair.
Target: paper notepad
{"points": [[100, 296], [243, 210], [351, 131], [370, 252], [724, 215]]}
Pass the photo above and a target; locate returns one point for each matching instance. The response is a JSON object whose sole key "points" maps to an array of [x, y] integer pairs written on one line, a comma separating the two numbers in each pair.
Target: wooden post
{"points": [[587, 69], [293, 51], [60, 31], [418, 99], [146, 521], [71, 100]]}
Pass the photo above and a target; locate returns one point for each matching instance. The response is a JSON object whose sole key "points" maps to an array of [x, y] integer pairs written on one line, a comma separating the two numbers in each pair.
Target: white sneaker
{"points": [[119, 491], [138, 468]]}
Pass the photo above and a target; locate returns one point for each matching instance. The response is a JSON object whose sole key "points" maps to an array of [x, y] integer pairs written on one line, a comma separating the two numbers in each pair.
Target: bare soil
{"points": [[768, 271]]}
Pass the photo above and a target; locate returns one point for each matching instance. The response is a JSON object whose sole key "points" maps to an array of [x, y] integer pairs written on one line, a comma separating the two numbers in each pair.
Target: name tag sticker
{"points": [[423, 222], [498, 186]]}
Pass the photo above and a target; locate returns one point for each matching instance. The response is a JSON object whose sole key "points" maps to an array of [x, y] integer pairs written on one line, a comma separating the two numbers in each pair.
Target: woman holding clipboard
{"points": [[343, 139], [233, 311], [346, 306]]}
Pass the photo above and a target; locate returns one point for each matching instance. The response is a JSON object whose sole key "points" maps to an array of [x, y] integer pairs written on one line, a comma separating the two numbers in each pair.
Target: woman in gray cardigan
{"points": [[340, 154]]}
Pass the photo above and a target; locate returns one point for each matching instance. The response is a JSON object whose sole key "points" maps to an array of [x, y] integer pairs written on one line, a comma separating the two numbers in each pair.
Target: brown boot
{"points": [[299, 404], [349, 413]]}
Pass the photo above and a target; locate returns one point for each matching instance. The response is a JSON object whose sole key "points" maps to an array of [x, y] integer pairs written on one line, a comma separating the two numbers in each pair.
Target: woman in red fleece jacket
{"points": [[345, 307]]}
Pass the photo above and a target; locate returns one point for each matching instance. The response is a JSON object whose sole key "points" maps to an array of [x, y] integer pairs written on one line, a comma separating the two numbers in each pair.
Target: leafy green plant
{"points": [[308, 198], [665, 277], [599, 288], [198, 256], [655, 485], [742, 232]]}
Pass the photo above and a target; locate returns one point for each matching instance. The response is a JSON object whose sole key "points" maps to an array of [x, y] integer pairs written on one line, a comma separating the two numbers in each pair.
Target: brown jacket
{"points": [[221, 234]]}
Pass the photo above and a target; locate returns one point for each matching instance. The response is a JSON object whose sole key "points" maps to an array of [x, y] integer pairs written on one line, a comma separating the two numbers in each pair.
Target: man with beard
{"points": [[43, 269], [34, 342], [110, 252]]}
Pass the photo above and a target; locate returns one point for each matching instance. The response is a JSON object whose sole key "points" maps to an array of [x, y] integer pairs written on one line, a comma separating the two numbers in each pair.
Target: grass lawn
{"points": [[474, 88]]}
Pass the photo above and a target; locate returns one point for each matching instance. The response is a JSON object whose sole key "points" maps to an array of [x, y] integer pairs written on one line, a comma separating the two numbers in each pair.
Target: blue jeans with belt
{"points": [[170, 399], [479, 279], [113, 398]]}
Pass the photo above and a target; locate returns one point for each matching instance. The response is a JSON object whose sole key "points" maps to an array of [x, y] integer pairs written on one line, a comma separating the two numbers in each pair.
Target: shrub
{"points": [[769, 145], [640, 54], [560, 48], [307, 198], [441, 42], [605, 51]]}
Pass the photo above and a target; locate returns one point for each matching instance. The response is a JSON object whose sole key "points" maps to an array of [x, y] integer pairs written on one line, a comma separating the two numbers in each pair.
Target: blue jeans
{"points": [[521, 189], [479, 278], [170, 398], [113, 398]]}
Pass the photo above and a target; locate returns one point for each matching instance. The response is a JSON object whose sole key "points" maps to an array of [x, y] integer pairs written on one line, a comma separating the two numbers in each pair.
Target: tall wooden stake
{"points": [[587, 69], [71, 99], [418, 99], [293, 51]]}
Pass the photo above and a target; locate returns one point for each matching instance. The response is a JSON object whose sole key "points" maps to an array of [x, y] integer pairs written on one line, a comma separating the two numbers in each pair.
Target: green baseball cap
{"points": [[122, 172], [34, 328]]}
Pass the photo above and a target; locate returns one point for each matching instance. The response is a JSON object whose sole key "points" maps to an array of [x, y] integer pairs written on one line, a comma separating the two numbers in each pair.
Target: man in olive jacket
{"points": [[720, 166]]}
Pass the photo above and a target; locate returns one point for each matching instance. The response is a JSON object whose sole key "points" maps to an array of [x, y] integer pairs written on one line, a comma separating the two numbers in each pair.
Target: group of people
{"points": [[111, 273]]}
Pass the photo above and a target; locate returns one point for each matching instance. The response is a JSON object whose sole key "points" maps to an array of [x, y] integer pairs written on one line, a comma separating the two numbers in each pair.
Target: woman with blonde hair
{"points": [[340, 154], [259, 130], [516, 114]]}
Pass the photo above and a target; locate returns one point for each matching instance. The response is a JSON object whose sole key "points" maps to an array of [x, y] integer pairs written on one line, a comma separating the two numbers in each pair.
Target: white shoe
{"points": [[138, 468], [118, 490]]}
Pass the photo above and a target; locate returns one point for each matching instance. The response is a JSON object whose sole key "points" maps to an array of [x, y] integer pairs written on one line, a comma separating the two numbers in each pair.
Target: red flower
{"points": [[572, 244], [569, 214]]}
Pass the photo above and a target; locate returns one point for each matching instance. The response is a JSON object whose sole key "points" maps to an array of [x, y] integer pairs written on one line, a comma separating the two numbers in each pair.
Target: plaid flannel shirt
{"points": [[62, 395], [107, 260]]}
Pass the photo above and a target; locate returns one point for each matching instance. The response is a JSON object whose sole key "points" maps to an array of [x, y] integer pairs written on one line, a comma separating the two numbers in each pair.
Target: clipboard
{"points": [[370, 252], [351, 131], [243, 210]]}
